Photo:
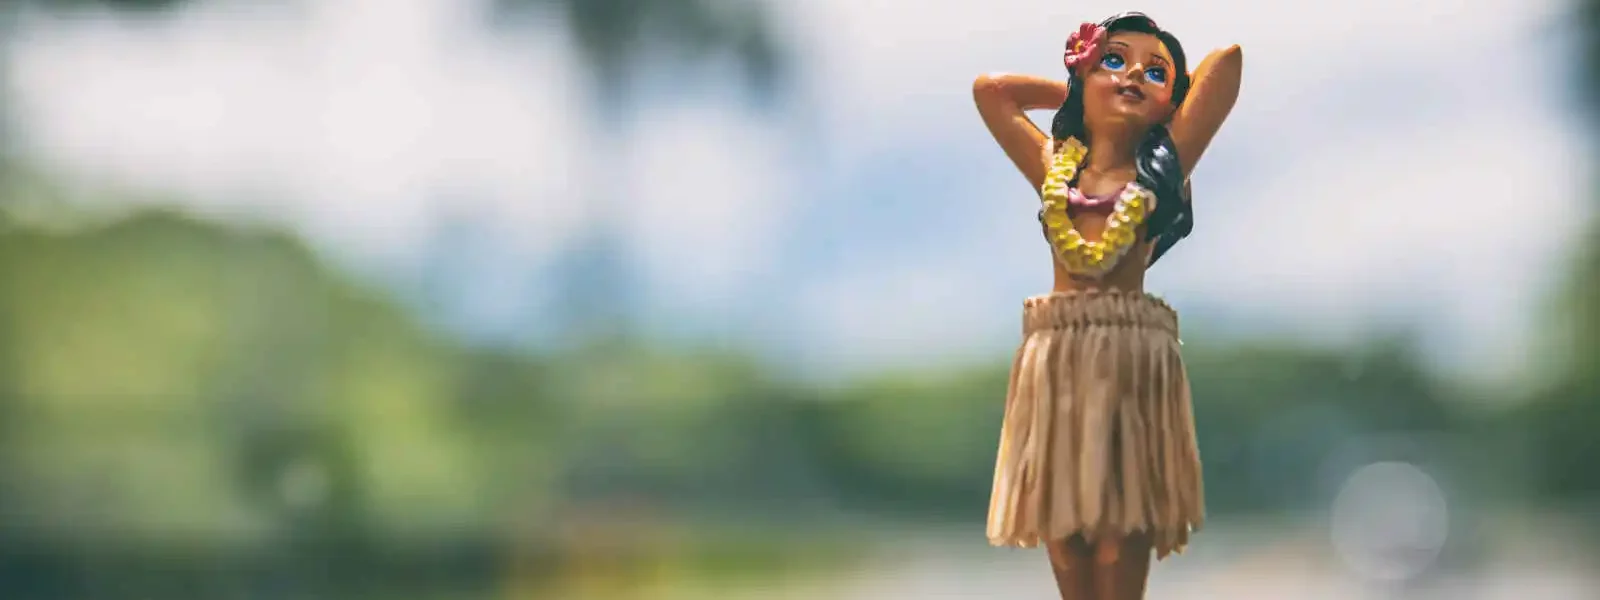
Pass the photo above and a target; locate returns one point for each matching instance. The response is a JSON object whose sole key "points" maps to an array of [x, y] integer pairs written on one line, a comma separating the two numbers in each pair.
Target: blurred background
{"points": [[659, 299]]}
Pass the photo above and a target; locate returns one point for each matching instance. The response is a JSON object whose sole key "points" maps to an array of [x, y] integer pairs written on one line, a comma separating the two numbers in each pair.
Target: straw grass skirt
{"points": [[1098, 437]]}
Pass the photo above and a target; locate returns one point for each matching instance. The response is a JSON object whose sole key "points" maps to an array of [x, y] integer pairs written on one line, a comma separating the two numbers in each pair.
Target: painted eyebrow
{"points": [[1153, 57]]}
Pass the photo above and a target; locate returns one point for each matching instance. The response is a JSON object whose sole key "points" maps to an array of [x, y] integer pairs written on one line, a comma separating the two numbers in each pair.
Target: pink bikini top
{"points": [[1103, 203], [1081, 203]]}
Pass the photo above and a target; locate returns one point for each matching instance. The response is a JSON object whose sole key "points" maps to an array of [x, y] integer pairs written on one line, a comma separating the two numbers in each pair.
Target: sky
{"points": [[1410, 171]]}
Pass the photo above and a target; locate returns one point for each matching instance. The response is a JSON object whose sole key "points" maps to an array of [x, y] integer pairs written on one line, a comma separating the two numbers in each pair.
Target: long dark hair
{"points": [[1156, 161]]}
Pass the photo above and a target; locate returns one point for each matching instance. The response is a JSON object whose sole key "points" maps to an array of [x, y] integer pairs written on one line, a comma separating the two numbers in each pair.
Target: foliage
{"points": [[615, 36], [123, 6], [1560, 418], [234, 351], [1588, 24]]}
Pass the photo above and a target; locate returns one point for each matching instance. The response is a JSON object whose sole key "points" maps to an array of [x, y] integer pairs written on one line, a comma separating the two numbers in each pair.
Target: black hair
{"points": [[1156, 161]]}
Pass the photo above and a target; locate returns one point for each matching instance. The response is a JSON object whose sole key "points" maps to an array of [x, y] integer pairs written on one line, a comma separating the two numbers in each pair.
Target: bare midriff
{"points": [[1088, 213]]}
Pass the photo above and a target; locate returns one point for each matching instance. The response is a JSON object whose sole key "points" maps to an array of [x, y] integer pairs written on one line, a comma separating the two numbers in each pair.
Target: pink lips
{"points": [[1131, 91]]}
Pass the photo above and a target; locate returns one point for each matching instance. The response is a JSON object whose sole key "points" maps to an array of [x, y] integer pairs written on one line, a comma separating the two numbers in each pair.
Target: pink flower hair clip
{"points": [[1083, 47]]}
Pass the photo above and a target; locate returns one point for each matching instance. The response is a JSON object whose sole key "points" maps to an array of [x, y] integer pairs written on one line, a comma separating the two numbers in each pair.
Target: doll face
{"points": [[1132, 84]]}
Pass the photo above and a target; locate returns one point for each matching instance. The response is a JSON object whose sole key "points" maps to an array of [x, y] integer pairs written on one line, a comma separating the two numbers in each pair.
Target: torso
{"points": [[1128, 274]]}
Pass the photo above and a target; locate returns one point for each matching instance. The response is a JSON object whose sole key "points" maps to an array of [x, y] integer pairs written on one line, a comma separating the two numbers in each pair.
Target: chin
{"points": [[1127, 119]]}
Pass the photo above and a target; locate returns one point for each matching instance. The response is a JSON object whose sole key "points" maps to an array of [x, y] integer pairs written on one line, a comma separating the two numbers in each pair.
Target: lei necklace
{"points": [[1079, 255]]}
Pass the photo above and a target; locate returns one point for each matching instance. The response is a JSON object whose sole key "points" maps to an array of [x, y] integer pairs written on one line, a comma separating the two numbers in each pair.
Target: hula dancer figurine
{"points": [[1097, 459]]}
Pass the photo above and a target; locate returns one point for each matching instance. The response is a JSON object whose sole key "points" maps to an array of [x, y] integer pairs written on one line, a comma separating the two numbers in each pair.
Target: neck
{"points": [[1112, 150]]}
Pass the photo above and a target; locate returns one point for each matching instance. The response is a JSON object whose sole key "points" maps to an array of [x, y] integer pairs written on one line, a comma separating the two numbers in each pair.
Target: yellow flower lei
{"points": [[1079, 255]]}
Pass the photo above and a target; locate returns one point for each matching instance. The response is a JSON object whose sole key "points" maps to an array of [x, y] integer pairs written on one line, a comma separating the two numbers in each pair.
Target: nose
{"points": [[1137, 72], [1133, 74]]}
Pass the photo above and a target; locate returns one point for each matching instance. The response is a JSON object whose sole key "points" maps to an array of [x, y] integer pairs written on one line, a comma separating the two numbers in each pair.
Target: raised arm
{"points": [[1003, 100], [1211, 98]]}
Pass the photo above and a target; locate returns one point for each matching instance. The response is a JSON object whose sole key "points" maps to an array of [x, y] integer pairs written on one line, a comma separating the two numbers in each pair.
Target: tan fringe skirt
{"points": [[1098, 437]]}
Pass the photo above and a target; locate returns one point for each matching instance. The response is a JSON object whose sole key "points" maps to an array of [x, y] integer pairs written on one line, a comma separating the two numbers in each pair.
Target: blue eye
{"points": [[1113, 62], [1156, 75]]}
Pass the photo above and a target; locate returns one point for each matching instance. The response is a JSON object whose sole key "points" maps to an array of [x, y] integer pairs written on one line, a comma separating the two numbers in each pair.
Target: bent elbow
{"points": [[1233, 57], [1227, 70], [986, 83], [987, 90]]}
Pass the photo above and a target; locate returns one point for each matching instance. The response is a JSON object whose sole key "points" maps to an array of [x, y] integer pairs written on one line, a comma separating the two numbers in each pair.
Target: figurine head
{"points": [[1126, 76]]}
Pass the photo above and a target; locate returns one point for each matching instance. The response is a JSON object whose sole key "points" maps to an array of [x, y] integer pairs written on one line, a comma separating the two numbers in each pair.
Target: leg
{"points": [[1121, 567], [1073, 562]]}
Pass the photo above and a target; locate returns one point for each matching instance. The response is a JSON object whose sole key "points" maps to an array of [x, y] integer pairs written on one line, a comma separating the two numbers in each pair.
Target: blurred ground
{"points": [[1268, 561]]}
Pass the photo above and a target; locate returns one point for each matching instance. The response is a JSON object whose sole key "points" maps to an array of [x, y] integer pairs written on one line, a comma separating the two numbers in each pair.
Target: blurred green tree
{"points": [[190, 394], [1562, 420], [617, 40], [1589, 34], [617, 37], [1269, 417]]}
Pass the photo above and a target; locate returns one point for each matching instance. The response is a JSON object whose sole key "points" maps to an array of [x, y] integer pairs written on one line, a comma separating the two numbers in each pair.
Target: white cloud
{"points": [[356, 123], [913, 315], [1458, 227], [364, 121], [887, 68], [1456, 204], [702, 194], [1366, 218]]}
